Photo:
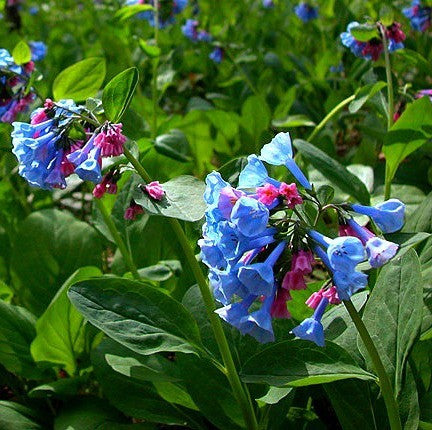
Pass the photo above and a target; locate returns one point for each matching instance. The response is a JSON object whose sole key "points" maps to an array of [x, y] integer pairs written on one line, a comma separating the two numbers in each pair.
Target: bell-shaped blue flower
{"points": [[254, 174], [214, 184], [258, 324], [250, 216], [258, 278], [349, 282], [312, 328], [225, 284], [211, 255], [389, 216], [379, 251], [279, 152], [344, 253], [236, 313]]}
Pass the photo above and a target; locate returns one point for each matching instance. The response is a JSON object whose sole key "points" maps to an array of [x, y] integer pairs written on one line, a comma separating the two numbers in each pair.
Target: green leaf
{"points": [[332, 170], [274, 395], [89, 413], [393, 314], [386, 15], [256, 117], [151, 51], [62, 388], [292, 121], [127, 12], [132, 396], [183, 199], [364, 32], [21, 53], [118, 93], [412, 130], [6, 292], [14, 416], [300, 363], [174, 145], [17, 330], [352, 403], [364, 94], [61, 329], [50, 245], [136, 315], [81, 80], [162, 271], [421, 219]]}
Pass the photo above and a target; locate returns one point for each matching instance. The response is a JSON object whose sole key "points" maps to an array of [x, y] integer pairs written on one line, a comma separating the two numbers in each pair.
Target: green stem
{"points": [[155, 72], [329, 116], [384, 381], [390, 107], [241, 394], [127, 257]]}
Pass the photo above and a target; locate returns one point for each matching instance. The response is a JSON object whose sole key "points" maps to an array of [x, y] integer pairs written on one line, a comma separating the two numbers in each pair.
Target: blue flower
{"points": [[350, 42], [254, 174], [225, 284], [236, 314], [343, 253], [267, 4], [258, 278], [38, 50], [190, 29], [419, 16], [312, 328], [389, 216], [258, 324], [379, 250], [279, 152], [250, 216], [217, 55], [214, 184], [306, 12]]}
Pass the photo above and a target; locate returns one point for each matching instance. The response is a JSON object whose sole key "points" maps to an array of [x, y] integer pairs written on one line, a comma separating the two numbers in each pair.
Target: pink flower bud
{"points": [[155, 190], [267, 194]]}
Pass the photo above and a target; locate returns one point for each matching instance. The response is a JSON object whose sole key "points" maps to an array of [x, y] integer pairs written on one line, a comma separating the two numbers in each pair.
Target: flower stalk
{"points": [[384, 381]]}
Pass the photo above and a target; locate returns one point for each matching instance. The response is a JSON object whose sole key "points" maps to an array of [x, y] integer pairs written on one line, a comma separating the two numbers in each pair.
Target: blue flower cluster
{"points": [[38, 50], [306, 12], [419, 15], [15, 96], [372, 49], [258, 246], [47, 154], [191, 30], [239, 244], [167, 11]]}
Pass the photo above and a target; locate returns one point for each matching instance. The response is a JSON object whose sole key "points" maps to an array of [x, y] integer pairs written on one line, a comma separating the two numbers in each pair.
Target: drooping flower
{"points": [[217, 55], [389, 215], [133, 211], [419, 15], [279, 153], [312, 328], [190, 29], [306, 12], [267, 4], [107, 185], [110, 139], [154, 190], [373, 48], [379, 250]]}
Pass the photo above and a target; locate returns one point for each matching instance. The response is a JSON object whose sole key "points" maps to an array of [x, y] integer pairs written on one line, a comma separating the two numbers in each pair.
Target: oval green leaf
{"points": [[81, 80], [118, 93]]}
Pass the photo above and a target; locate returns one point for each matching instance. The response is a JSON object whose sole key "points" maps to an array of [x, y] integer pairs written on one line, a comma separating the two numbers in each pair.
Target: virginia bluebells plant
{"points": [[15, 96], [48, 151], [373, 48], [419, 15], [260, 247]]}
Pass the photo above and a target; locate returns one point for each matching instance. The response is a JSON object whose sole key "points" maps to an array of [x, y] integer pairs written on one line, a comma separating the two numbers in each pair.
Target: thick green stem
{"points": [[384, 381], [240, 392], [329, 116], [127, 257]]}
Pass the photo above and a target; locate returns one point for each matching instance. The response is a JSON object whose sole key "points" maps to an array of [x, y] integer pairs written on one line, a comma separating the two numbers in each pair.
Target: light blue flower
{"points": [[279, 152]]}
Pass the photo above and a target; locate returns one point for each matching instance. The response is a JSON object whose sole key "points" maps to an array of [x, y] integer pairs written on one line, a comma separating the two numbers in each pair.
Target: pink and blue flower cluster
{"points": [[418, 15], [260, 248]]}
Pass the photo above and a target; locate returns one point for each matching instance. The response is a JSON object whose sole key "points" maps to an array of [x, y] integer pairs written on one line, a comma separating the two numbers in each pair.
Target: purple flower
{"points": [[419, 16], [217, 55]]}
